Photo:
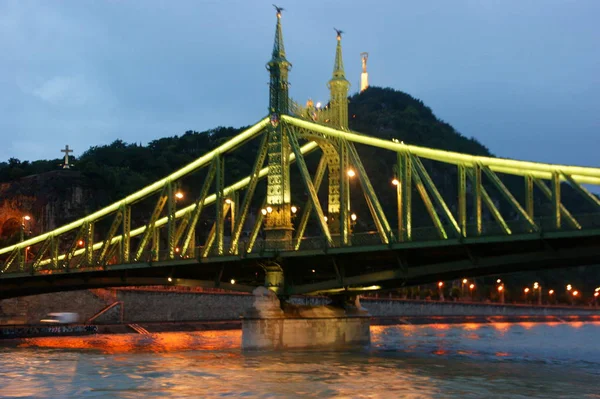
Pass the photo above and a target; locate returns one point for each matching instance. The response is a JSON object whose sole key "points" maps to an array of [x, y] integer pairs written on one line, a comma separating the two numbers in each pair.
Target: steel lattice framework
{"points": [[287, 135]]}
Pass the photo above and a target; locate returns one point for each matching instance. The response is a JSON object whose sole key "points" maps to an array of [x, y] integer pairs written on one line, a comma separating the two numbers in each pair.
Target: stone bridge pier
{"points": [[274, 325]]}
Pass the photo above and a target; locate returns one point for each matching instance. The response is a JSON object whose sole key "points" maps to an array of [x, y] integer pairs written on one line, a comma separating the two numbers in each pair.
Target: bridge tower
{"points": [[278, 224], [339, 193]]}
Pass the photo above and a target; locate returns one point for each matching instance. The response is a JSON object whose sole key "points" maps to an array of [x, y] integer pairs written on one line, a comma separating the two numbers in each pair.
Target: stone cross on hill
{"points": [[66, 151]]}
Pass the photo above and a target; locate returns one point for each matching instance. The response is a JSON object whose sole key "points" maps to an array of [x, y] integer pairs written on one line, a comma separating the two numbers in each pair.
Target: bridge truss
{"points": [[254, 223]]}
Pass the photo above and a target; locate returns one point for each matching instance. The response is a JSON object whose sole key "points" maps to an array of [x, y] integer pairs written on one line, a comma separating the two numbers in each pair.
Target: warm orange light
{"points": [[550, 292], [263, 211], [27, 217], [80, 243], [395, 182], [441, 284], [176, 249], [179, 195], [353, 217], [472, 286], [294, 209], [465, 281], [596, 293], [232, 281], [498, 281], [325, 218], [500, 288], [351, 173], [575, 293], [269, 209], [228, 201], [569, 287], [526, 290]]}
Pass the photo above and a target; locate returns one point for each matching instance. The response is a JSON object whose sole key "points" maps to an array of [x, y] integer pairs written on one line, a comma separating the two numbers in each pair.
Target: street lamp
{"points": [[24, 219], [526, 291], [440, 288], [472, 287], [501, 293], [179, 195], [538, 287], [462, 286], [351, 173]]}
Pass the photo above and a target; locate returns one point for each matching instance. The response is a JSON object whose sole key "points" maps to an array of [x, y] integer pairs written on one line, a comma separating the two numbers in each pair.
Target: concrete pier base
{"points": [[270, 326]]}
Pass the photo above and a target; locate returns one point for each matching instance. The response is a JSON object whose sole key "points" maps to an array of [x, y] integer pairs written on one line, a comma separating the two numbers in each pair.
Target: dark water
{"points": [[442, 361]]}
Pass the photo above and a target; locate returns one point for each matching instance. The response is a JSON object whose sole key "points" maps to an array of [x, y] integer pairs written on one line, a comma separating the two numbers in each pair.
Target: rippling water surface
{"points": [[465, 360]]}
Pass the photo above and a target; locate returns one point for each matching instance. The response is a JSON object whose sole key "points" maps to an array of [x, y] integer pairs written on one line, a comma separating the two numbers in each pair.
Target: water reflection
{"points": [[438, 361]]}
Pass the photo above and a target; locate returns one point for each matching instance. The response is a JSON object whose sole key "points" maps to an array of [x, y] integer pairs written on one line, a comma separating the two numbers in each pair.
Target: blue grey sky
{"points": [[521, 76]]}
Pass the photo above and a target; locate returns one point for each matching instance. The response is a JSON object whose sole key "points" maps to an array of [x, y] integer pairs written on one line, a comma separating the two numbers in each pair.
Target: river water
{"points": [[526, 360]]}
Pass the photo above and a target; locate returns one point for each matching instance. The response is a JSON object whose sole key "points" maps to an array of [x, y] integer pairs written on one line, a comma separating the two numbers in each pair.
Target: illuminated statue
{"points": [[364, 76]]}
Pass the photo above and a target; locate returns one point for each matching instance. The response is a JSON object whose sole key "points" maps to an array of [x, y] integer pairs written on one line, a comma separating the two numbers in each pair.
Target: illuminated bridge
{"points": [[261, 234]]}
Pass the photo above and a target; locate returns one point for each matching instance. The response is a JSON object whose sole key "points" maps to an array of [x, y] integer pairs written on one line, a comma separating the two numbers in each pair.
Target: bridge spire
{"points": [[278, 223], [278, 68], [338, 87]]}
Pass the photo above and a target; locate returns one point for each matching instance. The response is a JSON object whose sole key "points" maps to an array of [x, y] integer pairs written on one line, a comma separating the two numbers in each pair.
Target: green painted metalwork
{"points": [[406, 187], [344, 184], [462, 200], [279, 68], [256, 229], [396, 182], [281, 132], [126, 233], [378, 214], [199, 205], [220, 203], [180, 230], [89, 243], [149, 231], [556, 206], [591, 198], [477, 199], [581, 174], [171, 226], [41, 253], [155, 251], [309, 186], [562, 209], [212, 235], [338, 89], [529, 196], [54, 252], [71, 253], [489, 203], [235, 142], [509, 197], [436, 194], [307, 209], [244, 208], [427, 201], [101, 257]]}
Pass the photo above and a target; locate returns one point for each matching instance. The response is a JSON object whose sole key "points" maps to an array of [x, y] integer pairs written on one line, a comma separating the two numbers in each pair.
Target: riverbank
{"points": [[31, 331]]}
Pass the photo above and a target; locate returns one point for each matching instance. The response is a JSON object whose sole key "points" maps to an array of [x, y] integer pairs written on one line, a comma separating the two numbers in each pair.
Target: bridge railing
{"points": [[489, 228]]}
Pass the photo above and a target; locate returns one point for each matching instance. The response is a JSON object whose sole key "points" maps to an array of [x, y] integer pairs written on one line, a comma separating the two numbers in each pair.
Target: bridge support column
{"points": [[271, 325]]}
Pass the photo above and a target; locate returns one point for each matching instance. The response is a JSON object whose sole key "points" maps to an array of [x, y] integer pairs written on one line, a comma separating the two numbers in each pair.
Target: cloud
{"points": [[67, 91]]}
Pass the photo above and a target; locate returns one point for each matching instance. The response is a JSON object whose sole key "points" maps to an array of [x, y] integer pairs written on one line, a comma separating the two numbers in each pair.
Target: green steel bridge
{"points": [[257, 236]]}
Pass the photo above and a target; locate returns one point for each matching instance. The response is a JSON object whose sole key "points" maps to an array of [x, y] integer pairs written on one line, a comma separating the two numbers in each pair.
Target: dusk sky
{"points": [[521, 76]]}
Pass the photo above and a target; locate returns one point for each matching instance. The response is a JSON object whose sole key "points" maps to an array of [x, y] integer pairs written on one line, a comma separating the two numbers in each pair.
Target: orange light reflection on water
{"points": [[126, 343]]}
